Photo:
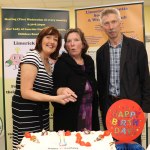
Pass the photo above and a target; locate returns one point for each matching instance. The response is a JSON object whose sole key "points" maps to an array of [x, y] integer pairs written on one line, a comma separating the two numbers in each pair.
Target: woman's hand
{"points": [[63, 99], [67, 91]]}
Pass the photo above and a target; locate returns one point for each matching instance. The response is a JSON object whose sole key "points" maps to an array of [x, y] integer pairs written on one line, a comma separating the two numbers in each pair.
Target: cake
{"points": [[86, 140]]}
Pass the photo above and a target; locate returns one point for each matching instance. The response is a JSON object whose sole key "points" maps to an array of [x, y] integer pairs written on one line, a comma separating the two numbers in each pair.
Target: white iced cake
{"points": [[86, 140]]}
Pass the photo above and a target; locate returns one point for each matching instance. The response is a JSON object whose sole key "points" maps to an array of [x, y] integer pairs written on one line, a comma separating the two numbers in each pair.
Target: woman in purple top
{"points": [[74, 73]]}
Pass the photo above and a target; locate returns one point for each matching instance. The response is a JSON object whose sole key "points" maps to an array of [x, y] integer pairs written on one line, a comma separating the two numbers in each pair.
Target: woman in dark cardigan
{"points": [[74, 73]]}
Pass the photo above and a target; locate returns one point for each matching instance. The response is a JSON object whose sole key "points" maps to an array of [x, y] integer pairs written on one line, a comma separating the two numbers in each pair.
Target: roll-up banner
{"points": [[132, 15], [20, 27]]}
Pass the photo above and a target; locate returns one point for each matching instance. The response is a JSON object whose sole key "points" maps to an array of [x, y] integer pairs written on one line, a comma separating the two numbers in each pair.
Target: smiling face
{"points": [[74, 44], [49, 40], [111, 24], [49, 44]]}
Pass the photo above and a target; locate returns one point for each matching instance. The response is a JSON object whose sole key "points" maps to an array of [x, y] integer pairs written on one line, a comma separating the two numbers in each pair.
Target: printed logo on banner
{"points": [[14, 59]]}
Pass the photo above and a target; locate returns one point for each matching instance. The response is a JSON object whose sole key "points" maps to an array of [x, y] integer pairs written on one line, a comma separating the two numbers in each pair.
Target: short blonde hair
{"points": [[108, 11]]}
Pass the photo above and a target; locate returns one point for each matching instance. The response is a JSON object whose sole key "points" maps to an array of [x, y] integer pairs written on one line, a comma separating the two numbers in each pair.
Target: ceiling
{"points": [[56, 4]]}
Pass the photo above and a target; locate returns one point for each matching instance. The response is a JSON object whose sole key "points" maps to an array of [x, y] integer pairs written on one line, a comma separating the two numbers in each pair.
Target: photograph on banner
{"points": [[20, 28]]}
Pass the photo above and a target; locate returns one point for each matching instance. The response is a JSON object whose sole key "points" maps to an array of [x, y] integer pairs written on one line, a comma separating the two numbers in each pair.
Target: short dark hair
{"points": [[81, 34], [49, 31]]}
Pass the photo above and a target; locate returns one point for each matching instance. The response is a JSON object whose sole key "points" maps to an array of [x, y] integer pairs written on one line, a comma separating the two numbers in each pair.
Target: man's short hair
{"points": [[108, 11]]}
